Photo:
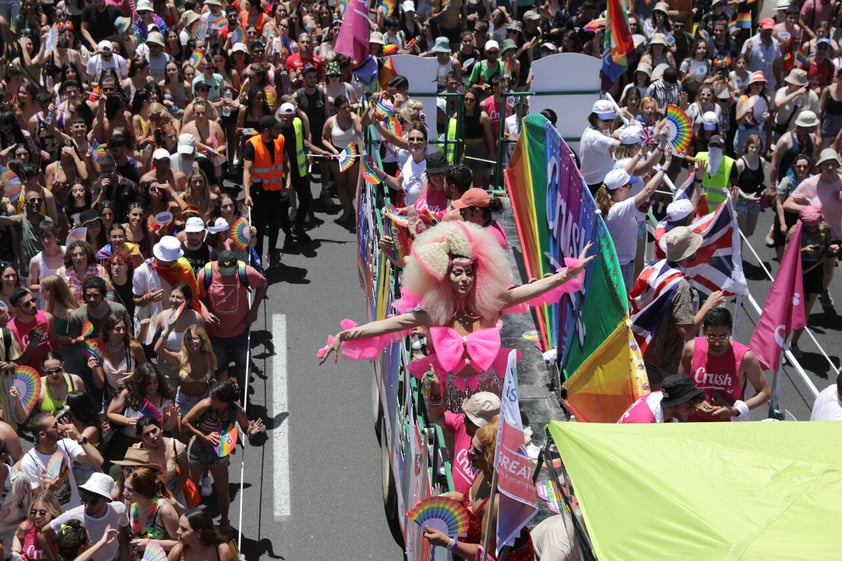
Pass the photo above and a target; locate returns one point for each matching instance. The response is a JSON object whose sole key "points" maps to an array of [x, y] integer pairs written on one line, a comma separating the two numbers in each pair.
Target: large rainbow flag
{"points": [[618, 43], [556, 216]]}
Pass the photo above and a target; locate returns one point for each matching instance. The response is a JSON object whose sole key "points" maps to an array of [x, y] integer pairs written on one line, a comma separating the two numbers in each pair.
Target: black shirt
{"points": [[122, 195], [100, 24], [313, 106], [198, 258]]}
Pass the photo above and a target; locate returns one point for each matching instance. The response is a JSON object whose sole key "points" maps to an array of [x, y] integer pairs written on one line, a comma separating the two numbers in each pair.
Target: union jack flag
{"points": [[718, 263], [651, 297]]}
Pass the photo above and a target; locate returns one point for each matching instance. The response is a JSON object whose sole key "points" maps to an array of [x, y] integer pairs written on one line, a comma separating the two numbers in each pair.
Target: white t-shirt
{"points": [[622, 225], [144, 280], [595, 155], [413, 179], [828, 406], [115, 517], [34, 463], [96, 64]]}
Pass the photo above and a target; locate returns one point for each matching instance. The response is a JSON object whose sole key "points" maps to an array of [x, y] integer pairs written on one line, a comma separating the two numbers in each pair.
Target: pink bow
{"points": [[480, 346]]}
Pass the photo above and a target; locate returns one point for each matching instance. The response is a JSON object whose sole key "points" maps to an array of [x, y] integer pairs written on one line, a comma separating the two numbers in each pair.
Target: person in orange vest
{"points": [[266, 181]]}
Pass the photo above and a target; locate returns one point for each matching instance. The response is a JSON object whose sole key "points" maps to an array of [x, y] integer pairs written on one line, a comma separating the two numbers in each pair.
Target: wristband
{"points": [[740, 406], [147, 298], [451, 545]]}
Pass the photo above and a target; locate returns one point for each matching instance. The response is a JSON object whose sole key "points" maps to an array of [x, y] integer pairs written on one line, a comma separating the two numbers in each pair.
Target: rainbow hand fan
{"points": [[174, 317], [79, 234], [12, 184], [227, 441], [93, 348], [154, 552], [595, 24], [240, 234], [441, 513], [53, 468], [248, 131], [28, 383], [680, 129], [51, 40], [347, 157], [87, 328], [148, 409], [389, 50], [195, 59], [389, 7]]}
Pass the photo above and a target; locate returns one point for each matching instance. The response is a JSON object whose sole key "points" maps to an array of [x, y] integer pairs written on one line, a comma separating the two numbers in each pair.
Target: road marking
{"points": [[280, 434]]}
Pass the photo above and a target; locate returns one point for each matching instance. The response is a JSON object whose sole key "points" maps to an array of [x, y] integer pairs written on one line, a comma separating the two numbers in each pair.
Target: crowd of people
{"points": [[131, 268]]}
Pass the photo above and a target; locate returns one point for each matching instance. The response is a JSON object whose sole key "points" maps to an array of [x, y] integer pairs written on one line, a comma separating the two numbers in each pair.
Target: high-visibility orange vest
{"points": [[267, 170]]}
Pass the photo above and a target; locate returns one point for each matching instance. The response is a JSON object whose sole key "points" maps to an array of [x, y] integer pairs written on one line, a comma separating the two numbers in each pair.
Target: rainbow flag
{"points": [[367, 171], [412, 47], [744, 21], [97, 152], [618, 43], [389, 7], [732, 25], [802, 59], [227, 441], [555, 216], [390, 50], [386, 72]]}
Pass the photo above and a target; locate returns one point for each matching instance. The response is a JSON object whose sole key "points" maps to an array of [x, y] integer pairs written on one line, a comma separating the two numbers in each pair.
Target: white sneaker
{"points": [[205, 488]]}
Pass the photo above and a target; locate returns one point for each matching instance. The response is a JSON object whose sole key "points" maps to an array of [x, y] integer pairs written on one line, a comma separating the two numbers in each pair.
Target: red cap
{"points": [[473, 197], [767, 23]]}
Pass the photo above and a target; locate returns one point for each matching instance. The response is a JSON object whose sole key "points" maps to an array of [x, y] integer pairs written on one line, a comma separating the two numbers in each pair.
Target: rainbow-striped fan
{"points": [[28, 383], [347, 157], [240, 234], [11, 183], [441, 513], [680, 129], [53, 468], [87, 328], [154, 552]]}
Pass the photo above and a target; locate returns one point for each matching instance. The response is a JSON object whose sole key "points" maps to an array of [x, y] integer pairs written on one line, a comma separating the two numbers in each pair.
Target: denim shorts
{"points": [[200, 456], [745, 207]]}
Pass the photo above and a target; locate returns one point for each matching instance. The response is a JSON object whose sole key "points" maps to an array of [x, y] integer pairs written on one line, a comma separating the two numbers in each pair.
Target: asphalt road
{"points": [[313, 489]]}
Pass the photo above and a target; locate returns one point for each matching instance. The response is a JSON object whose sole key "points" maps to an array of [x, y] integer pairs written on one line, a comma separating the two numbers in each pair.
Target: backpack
{"points": [[241, 274]]}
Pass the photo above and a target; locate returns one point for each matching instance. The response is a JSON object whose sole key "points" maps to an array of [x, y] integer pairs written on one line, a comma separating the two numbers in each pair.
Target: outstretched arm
{"points": [[375, 329], [526, 292]]}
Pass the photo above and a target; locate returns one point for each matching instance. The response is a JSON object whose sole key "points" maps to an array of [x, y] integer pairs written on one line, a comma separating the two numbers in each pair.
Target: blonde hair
{"points": [[205, 346], [428, 266], [59, 292]]}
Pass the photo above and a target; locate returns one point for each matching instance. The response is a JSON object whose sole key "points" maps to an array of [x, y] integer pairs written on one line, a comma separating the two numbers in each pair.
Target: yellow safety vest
{"points": [[300, 154]]}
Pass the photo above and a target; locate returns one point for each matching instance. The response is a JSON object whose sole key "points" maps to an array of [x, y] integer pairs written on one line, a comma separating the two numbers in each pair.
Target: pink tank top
{"points": [[717, 376]]}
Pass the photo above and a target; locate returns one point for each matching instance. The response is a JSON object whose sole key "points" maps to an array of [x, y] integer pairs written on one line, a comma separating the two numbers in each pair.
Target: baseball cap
{"points": [[194, 224], [239, 48], [267, 122], [227, 263], [767, 23], [603, 109], [287, 109], [679, 210], [186, 143], [481, 407], [104, 46], [161, 154], [473, 197], [616, 178], [678, 389]]}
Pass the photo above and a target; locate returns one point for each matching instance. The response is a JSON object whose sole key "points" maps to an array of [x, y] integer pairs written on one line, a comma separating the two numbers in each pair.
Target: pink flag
{"points": [[517, 499], [784, 308], [353, 35]]}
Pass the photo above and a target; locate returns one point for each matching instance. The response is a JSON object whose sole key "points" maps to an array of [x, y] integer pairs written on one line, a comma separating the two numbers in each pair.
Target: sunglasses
{"points": [[38, 512], [52, 370], [35, 200]]}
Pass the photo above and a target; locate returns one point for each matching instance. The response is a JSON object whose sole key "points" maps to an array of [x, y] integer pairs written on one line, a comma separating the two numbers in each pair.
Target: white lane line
{"points": [[280, 435]]}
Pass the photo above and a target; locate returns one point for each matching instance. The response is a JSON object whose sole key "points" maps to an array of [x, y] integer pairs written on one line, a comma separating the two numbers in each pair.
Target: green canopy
{"points": [[707, 491]]}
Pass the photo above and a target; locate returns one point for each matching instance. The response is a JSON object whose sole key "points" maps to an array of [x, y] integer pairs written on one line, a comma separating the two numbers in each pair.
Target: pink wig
{"points": [[426, 273]]}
